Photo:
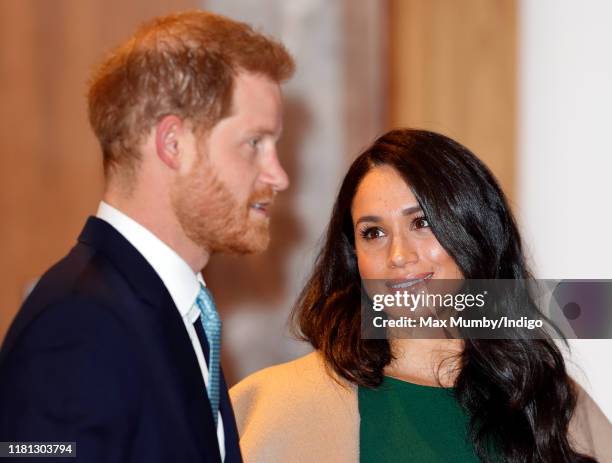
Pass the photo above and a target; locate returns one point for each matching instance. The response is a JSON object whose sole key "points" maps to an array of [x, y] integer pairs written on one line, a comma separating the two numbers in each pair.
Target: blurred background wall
{"points": [[564, 156], [51, 178], [498, 75], [335, 105]]}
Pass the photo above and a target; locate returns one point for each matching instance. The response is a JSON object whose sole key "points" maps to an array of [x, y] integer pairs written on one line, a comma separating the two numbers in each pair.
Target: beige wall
{"points": [[453, 70], [51, 177], [451, 67]]}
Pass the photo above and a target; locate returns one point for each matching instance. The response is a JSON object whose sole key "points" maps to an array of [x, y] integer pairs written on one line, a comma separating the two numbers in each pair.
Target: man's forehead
{"points": [[258, 100], [255, 87]]}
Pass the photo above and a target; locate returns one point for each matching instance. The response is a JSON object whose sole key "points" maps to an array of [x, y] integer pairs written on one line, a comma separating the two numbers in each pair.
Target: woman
{"points": [[416, 205]]}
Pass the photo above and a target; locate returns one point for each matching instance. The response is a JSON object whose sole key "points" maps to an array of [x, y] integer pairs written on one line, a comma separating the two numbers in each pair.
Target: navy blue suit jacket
{"points": [[99, 355]]}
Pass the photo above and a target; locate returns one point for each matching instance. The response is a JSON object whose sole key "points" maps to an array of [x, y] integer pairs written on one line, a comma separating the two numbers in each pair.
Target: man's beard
{"points": [[211, 216]]}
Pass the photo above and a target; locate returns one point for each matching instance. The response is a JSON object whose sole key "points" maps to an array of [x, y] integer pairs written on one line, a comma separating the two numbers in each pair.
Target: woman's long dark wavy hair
{"points": [[516, 392]]}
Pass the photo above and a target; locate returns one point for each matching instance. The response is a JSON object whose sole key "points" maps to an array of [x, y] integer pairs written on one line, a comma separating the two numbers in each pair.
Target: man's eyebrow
{"points": [[267, 131]]}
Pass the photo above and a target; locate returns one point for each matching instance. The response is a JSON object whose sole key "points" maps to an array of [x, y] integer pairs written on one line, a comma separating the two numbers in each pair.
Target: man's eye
{"points": [[420, 222], [254, 142], [371, 233]]}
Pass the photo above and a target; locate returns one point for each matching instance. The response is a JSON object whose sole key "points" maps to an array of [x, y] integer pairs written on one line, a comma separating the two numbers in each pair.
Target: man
{"points": [[117, 347]]}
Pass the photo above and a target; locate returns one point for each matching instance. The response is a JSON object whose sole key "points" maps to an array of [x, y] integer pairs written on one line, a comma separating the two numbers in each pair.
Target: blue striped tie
{"points": [[212, 327]]}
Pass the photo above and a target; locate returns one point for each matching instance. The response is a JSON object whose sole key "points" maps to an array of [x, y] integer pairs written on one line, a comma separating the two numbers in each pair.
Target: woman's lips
{"points": [[409, 281]]}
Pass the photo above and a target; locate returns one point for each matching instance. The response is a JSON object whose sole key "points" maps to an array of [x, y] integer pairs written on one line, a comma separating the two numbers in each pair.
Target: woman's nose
{"points": [[402, 253]]}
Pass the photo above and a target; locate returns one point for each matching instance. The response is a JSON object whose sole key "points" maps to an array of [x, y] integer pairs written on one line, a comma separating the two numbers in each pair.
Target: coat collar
{"points": [[127, 260]]}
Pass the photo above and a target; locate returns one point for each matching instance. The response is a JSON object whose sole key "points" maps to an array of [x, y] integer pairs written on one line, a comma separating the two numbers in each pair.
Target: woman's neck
{"points": [[431, 362]]}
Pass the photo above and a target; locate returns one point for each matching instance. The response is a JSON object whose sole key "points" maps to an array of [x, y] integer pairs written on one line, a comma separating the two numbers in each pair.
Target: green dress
{"points": [[406, 422]]}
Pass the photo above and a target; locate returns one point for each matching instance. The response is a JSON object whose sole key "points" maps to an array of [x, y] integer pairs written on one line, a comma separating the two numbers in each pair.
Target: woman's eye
{"points": [[420, 222], [371, 233]]}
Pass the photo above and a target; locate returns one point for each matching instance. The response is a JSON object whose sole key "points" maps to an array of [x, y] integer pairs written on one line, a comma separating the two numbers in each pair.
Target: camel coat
{"points": [[296, 412]]}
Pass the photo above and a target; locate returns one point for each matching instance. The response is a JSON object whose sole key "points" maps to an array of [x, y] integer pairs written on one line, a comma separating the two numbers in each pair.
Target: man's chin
{"points": [[257, 238], [247, 244], [257, 248], [257, 244]]}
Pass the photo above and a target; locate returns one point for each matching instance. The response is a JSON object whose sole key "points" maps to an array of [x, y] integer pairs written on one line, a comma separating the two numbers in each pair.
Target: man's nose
{"points": [[275, 175]]}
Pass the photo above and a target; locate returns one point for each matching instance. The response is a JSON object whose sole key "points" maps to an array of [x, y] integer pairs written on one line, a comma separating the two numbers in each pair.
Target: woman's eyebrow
{"points": [[368, 218], [374, 218], [411, 210]]}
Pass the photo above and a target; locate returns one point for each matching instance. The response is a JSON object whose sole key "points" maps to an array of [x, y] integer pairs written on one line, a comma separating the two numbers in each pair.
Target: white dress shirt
{"points": [[178, 277]]}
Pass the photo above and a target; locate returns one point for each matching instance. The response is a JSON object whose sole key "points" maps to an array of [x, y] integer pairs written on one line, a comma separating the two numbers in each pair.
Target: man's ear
{"points": [[168, 135]]}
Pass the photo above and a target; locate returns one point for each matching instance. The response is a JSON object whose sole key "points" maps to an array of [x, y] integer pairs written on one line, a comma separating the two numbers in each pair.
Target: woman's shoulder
{"points": [[306, 367], [298, 406], [590, 431], [304, 379]]}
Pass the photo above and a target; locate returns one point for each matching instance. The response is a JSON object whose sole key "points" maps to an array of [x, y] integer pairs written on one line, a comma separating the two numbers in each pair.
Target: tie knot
{"points": [[204, 292], [206, 304]]}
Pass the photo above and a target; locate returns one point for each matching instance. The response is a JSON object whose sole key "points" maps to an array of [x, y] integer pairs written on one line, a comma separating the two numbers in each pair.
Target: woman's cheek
{"points": [[445, 266], [369, 265]]}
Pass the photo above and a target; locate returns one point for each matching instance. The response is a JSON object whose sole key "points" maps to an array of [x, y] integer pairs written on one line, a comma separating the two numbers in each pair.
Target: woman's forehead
{"points": [[383, 188]]}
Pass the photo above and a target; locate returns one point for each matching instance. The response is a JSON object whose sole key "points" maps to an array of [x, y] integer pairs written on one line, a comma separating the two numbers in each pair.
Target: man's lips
{"points": [[409, 281], [261, 206]]}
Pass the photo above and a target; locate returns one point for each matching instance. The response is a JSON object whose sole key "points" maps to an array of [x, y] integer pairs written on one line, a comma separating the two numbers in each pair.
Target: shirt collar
{"points": [[178, 277]]}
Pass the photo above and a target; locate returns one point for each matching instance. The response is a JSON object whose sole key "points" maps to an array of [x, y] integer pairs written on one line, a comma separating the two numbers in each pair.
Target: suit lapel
{"points": [[162, 332], [232, 447]]}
